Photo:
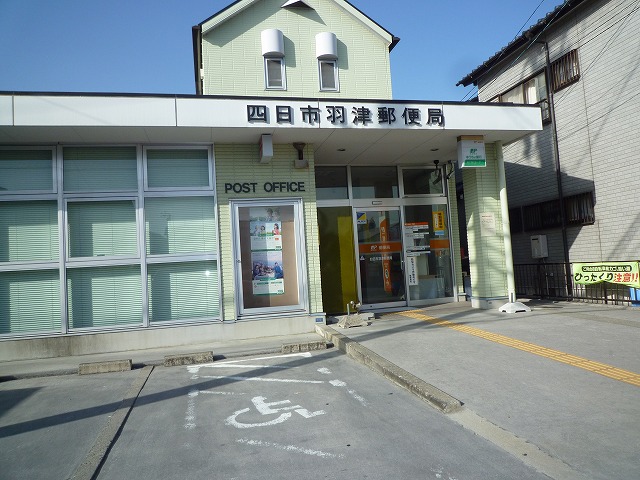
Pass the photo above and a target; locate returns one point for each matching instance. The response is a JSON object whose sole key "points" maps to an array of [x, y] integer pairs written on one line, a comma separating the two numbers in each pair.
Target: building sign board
{"points": [[439, 225], [346, 115], [624, 273], [471, 152]]}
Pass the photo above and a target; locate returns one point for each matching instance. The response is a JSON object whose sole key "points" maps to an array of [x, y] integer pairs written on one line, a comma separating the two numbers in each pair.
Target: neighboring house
{"points": [[279, 193], [589, 97]]}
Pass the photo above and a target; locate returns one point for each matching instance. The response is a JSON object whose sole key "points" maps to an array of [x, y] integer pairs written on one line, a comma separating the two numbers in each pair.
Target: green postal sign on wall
{"points": [[624, 273], [471, 152]]}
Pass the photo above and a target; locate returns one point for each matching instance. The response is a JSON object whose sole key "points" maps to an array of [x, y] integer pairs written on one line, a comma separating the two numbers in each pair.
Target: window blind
{"points": [[104, 296], [30, 302], [180, 225], [182, 291], [100, 169], [23, 170], [28, 231], [102, 228], [177, 168]]}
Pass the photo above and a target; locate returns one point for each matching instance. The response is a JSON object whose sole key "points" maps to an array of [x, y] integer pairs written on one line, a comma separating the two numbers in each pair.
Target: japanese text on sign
{"points": [[624, 273], [340, 115]]}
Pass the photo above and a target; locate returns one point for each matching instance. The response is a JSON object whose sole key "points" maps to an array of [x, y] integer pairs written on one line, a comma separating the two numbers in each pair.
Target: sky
{"points": [[144, 46]]}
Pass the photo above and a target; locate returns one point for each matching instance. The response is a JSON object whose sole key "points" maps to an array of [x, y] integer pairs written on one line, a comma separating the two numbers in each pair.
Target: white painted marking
{"points": [[233, 422], [196, 368], [233, 365], [261, 379], [221, 393], [289, 448], [340, 383], [358, 397], [190, 416], [439, 472], [267, 408], [325, 371]]}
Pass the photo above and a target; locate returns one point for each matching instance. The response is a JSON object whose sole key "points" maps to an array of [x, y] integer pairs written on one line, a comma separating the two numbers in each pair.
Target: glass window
{"points": [[102, 228], [30, 302], [328, 75], [428, 249], [181, 291], [331, 183], [177, 168], [579, 209], [274, 71], [422, 181], [515, 95], [104, 296], [536, 89], [100, 169], [374, 182], [180, 225], [24, 170], [28, 231], [565, 71]]}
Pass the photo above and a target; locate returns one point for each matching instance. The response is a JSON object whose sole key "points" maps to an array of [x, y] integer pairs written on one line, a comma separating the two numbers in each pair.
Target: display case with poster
{"points": [[268, 244]]}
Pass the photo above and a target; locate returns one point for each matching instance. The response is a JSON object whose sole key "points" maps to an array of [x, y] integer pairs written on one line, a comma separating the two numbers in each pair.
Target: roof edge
{"points": [[236, 7], [525, 38]]}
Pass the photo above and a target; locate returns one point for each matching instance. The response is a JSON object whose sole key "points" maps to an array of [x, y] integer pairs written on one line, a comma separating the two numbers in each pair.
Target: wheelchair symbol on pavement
{"points": [[264, 408]]}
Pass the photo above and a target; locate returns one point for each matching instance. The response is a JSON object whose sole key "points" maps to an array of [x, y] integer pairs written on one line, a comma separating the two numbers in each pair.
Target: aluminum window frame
{"points": [[283, 73], [336, 78]]}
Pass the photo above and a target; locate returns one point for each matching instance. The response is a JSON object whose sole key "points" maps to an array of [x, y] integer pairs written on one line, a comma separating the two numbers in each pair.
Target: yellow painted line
{"points": [[573, 360]]}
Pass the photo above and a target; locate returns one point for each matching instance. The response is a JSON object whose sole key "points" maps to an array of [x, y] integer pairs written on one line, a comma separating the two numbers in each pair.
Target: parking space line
{"points": [[289, 448], [603, 369], [260, 379]]}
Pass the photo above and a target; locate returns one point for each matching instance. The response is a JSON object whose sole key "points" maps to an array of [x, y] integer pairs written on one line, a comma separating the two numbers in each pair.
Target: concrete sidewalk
{"points": [[559, 386], [69, 365]]}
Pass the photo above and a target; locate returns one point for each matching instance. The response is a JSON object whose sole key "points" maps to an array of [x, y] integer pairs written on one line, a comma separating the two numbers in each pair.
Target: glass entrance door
{"points": [[428, 254], [380, 265]]}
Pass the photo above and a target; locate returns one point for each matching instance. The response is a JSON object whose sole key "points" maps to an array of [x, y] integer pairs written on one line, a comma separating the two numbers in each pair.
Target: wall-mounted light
{"points": [[266, 148], [300, 162], [451, 164], [438, 178]]}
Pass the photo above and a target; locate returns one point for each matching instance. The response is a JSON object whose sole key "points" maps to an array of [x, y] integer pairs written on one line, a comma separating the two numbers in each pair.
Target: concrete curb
{"points": [[423, 390], [104, 367], [188, 359], [303, 347], [88, 469]]}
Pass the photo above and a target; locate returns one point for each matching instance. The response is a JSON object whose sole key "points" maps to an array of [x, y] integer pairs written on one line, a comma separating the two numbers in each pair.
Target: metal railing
{"points": [[548, 281]]}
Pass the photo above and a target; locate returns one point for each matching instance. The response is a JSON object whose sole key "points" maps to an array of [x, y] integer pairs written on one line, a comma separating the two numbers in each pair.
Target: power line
{"points": [[474, 88]]}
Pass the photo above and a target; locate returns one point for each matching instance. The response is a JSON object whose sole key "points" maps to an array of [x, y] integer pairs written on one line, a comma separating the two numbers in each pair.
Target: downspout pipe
{"points": [[556, 155]]}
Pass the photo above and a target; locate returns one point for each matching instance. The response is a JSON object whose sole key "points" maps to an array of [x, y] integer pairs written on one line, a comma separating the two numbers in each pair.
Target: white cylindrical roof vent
{"points": [[326, 46], [272, 42]]}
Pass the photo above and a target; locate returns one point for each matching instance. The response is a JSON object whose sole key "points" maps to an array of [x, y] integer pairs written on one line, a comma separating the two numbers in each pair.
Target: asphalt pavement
{"points": [[557, 387]]}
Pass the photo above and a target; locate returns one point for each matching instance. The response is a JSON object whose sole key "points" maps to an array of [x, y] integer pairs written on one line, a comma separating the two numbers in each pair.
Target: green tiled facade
{"points": [[233, 63], [239, 163], [486, 246]]}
